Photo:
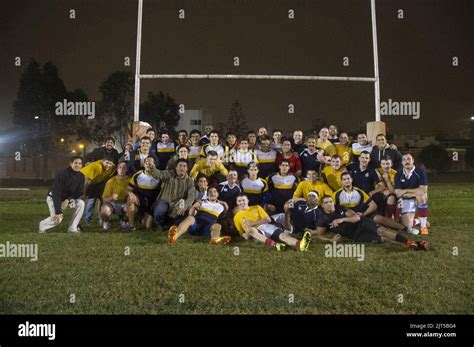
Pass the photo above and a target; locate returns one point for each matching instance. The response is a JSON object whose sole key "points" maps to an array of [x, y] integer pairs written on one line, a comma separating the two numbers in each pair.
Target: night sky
{"points": [[415, 56]]}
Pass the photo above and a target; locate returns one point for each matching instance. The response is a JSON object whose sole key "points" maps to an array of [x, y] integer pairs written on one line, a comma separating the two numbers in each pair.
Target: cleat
{"points": [[224, 240], [305, 241], [424, 231], [172, 234], [423, 245], [280, 246], [105, 226], [411, 244]]}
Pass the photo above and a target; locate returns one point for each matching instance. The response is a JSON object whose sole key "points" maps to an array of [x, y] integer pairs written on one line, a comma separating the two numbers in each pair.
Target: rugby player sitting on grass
{"points": [[254, 222], [346, 223], [202, 220]]}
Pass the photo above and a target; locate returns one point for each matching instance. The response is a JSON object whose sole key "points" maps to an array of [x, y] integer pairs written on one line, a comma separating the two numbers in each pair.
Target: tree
{"points": [[114, 111], [161, 111], [470, 156], [34, 108], [435, 157], [237, 122]]}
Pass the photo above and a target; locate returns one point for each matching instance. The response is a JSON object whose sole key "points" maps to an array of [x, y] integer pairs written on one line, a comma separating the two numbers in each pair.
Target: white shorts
{"points": [[280, 218], [267, 229], [408, 205]]}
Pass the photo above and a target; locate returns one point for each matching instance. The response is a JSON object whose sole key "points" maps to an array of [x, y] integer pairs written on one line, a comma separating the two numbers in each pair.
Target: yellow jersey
{"points": [[332, 178], [96, 173], [304, 187], [116, 185], [201, 168], [345, 152], [252, 214], [327, 146]]}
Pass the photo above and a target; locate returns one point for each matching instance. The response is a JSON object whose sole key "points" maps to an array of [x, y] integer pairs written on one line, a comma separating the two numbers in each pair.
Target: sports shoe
{"points": [[411, 244], [423, 245], [172, 234], [127, 227], [305, 241], [74, 231], [280, 246], [413, 231], [105, 225], [224, 240], [424, 231]]}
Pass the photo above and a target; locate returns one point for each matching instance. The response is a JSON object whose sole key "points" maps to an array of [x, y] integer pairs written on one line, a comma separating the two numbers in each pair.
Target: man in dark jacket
{"points": [[381, 149], [108, 149], [67, 189]]}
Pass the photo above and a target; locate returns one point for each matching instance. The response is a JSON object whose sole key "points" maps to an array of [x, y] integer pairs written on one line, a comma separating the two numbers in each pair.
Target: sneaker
{"points": [[127, 227], [423, 245], [413, 231], [411, 244], [172, 234], [124, 224], [305, 241], [74, 231], [105, 226], [280, 246], [224, 240], [424, 231]]}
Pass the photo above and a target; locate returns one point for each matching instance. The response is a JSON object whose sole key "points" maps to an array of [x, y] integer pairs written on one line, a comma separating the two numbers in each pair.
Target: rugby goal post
{"points": [[373, 128]]}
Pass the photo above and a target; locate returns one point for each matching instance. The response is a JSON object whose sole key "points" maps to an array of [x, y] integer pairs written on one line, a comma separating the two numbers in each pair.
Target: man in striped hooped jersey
{"points": [[282, 185], [202, 220], [143, 191]]}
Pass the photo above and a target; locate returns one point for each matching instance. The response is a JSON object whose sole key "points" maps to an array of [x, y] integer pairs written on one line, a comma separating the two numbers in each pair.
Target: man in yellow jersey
{"points": [[332, 174], [254, 222], [209, 167], [324, 143], [311, 183], [114, 197], [344, 149], [96, 174]]}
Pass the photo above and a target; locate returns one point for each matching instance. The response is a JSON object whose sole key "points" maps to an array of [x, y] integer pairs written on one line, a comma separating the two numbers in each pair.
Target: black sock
{"points": [[400, 238]]}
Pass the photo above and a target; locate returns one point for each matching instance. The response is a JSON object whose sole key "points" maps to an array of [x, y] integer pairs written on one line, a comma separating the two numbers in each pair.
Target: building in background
{"points": [[191, 119]]}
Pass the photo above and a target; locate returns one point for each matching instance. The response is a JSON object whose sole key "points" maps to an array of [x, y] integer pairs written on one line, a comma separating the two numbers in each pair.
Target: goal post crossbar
{"points": [[375, 79], [258, 77]]}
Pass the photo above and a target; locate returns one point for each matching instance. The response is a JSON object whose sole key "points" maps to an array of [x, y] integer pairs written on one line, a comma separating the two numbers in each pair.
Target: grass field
{"points": [[157, 277]]}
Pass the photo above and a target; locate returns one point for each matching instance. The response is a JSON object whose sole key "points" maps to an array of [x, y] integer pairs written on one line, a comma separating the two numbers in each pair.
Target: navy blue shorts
{"points": [[200, 228]]}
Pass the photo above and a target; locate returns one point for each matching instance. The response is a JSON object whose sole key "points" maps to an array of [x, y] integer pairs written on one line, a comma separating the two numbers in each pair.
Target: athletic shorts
{"points": [[270, 231], [381, 201], [367, 232], [200, 228], [118, 208], [408, 205], [279, 218], [145, 205]]}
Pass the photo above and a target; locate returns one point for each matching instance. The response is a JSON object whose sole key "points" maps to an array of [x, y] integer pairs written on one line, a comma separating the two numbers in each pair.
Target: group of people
{"points": [[281, 191]]}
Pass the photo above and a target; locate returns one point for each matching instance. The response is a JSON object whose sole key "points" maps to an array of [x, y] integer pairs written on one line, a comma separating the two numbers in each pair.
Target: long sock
{"points": [[397, 213], [416, 221], [270, 243], [400, 238], [390, 210], [423, 214]]}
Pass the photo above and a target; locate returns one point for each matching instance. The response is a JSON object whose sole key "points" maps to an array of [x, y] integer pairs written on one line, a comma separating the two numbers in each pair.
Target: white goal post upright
{"points": [[373, 128]]}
